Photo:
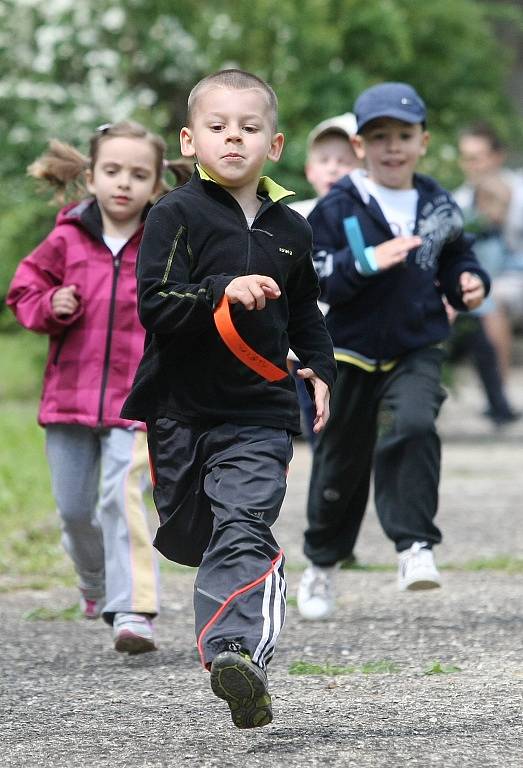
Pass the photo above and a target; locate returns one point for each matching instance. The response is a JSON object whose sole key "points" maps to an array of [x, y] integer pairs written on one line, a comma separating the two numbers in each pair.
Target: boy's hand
{"points": [[393, 252], [321, 397], [472, 290], [252, 291], [449, 309], [64, 301]]}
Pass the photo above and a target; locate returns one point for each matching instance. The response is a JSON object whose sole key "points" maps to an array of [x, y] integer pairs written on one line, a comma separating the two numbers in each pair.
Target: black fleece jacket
{"points": [[196, 240], [395, 311]]}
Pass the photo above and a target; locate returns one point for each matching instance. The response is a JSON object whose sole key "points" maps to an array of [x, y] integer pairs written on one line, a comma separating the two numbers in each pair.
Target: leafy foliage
{"points": [[69, 66]]}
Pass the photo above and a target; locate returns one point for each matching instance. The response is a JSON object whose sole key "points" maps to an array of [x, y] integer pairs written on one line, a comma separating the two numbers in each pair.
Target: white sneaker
{"points": [[316, 593], [417, 569], [133, 633]]}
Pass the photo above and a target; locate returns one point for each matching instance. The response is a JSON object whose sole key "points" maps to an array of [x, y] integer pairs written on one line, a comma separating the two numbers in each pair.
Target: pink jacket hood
{"points": [[93, 354]]}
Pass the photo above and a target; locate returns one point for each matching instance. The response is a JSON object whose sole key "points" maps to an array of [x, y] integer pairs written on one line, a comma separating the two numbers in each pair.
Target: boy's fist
{"points": [[393, 252], [252, 291], [472, 289]]}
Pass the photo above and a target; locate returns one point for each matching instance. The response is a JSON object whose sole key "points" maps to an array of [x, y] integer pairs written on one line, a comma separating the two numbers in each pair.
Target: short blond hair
{"points": [[237, 80]]}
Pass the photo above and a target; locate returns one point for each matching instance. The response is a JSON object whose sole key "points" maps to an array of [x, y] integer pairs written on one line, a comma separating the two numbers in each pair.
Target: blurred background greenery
{"points": [[68, 66]]}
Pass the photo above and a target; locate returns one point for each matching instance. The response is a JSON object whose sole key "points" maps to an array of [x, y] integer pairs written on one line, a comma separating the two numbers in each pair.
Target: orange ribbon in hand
{"points": [[240, 349]]}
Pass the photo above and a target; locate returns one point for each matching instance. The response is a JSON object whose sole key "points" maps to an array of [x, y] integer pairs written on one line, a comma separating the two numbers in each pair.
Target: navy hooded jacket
{"points": [[376, 318]]}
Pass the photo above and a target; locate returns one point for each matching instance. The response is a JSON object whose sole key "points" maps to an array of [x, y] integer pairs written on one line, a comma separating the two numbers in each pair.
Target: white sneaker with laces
{"points": [[133, 633], [417, 569], [316, 593]]}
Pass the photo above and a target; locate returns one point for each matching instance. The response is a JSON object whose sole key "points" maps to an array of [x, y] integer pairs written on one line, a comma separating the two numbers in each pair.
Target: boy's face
{"points": [[330, 158], [232, 135], [391, 150]]}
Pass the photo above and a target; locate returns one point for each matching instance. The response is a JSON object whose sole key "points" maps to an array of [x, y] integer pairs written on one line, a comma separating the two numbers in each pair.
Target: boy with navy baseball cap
{"points": [[389, 246], [398, 101]]}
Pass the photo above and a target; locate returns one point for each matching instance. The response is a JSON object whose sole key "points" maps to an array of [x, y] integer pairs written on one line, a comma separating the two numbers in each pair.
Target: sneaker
{"points": [[243, 685], [417, 569], [316, 593], [133, 633], [91, 608]]}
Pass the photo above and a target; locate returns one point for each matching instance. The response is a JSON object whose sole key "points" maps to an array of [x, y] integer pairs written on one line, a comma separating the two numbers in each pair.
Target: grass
{"points": [[506, 563], [307, 668], [23, 356], [30, 543], [437, 668], [379, 667], [71, 613], [384, 666]]}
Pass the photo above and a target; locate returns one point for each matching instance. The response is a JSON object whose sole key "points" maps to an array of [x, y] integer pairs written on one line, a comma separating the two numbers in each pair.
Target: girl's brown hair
{"points": [[63, 167]]}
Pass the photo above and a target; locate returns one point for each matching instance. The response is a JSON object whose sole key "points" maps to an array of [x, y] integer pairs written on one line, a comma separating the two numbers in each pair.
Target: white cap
{"points": [[344, 124]]}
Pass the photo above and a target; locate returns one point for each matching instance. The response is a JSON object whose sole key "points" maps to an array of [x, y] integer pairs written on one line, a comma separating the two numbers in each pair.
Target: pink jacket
{"points": [[93, 354]]}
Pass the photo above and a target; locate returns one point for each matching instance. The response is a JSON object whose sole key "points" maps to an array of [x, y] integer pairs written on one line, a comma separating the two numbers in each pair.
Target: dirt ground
{"points": [[432, 679]]}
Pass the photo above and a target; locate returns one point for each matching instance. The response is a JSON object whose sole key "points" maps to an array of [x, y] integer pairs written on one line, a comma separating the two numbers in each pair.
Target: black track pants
{"points": [[385, 420], [218, 490]]}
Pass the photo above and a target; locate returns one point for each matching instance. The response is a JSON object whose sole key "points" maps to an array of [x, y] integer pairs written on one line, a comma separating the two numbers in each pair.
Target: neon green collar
{"points": [[267, 185]]}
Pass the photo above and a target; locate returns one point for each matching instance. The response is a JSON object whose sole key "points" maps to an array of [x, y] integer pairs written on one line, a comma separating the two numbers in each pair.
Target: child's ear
{"points": [[425, 138], [358, 146], [89, 181], [187, 142], [276, 147]]}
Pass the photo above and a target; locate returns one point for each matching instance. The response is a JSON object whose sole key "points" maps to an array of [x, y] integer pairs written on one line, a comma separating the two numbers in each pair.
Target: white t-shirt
{"points": [[304, 206], [115, 244], [398, 206]]}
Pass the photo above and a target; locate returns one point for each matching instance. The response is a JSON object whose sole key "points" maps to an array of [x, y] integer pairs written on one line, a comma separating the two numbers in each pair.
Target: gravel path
{"points": [[68, 700]]}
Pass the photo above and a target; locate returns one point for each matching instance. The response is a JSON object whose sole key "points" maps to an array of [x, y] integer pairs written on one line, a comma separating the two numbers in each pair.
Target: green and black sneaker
{"points": [[243, 685]]}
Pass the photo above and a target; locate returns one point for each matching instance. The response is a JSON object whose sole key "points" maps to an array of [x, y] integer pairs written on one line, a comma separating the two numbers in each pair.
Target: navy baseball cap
{"points": [[397, 100]]}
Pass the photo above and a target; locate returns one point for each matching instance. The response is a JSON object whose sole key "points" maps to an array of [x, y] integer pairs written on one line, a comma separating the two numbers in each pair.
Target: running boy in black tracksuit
{"points": [[214, 390], [389, 244]]}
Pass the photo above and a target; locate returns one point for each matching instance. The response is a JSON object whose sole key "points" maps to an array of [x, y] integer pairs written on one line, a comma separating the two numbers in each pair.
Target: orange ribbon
{"points": [[232, 339]]}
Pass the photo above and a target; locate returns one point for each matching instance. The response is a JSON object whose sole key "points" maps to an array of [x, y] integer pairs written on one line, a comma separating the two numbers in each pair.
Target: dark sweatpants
{"points": [[218, 490], [386, 419]]}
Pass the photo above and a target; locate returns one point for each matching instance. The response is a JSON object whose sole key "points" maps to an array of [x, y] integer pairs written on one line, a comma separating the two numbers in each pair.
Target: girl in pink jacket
{"points": [[78, 286]]}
